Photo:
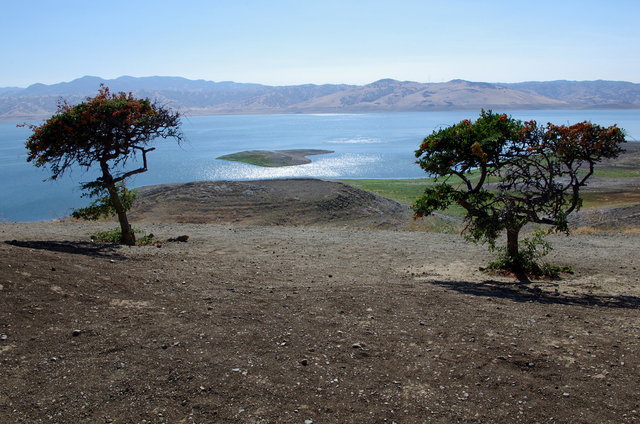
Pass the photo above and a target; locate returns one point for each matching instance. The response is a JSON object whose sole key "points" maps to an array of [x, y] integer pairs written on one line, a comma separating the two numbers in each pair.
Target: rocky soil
{"points": [[311, 324]]}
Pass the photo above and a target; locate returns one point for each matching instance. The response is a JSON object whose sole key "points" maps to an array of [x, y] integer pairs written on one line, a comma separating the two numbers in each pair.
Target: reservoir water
{"points": [[379, 145]]}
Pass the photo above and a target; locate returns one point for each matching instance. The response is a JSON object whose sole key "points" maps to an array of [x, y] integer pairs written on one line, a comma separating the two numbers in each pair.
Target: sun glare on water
{"points": [[329, 167], [358, 140]]}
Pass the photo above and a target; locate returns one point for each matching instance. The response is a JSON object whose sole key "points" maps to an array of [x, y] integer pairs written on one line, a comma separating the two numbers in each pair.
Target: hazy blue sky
{"points": [[286, 42]]}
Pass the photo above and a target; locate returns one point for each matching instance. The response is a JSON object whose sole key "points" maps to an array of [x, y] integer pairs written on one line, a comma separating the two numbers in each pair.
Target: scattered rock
{"points": [[76, 333], [181, 239], [450, 312]]}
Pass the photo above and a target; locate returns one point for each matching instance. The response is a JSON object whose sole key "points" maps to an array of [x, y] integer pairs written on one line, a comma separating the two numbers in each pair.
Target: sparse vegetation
{"points": [[608, 198], [104, 206], [618, 172], [107, 236], [533, 248], [115, 235], [401, 190]]}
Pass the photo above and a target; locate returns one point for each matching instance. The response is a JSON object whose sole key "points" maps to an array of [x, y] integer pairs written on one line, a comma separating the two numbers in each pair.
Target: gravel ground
{"points": [[282, 324]]}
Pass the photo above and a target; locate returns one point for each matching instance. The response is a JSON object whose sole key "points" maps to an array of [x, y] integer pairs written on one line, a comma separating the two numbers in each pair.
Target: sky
{"points": [[283, 42]]}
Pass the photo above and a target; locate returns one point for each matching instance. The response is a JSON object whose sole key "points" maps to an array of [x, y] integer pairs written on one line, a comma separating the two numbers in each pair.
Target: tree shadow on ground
{"points": [[97, 250], [520, 292]]}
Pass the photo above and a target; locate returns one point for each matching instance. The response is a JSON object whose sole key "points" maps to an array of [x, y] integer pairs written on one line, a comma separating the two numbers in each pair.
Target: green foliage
{"points": [[532, 249], [147, 240], [463, 157], [115, 236], [109, 236], [528, 258], [505, 173], [105, 128], [103, 206]]}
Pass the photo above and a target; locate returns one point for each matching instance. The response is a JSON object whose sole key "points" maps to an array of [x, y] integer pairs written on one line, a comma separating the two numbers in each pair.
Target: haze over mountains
{"points": [[200, 97]]}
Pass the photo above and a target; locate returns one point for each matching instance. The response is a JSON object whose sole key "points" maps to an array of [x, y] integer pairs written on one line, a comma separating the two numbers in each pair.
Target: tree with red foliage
{"points": [[506, 173], [107, 130]]}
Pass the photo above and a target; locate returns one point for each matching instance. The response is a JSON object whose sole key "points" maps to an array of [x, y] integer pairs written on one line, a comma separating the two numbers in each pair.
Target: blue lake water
{"points": [[377, 145]]}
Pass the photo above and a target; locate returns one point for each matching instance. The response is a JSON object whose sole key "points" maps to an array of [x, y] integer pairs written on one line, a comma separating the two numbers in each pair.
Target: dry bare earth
{"points": [[309, 324], [268, 202]]}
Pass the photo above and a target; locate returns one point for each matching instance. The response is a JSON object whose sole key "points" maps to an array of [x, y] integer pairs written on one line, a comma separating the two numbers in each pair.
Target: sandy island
{"points": [[275, 158]]}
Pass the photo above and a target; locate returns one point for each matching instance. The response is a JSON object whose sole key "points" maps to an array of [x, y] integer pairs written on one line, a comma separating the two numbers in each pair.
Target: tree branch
{"points": [[139, 170]]}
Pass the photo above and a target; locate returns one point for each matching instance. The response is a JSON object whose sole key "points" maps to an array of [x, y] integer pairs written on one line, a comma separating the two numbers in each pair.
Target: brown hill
{"points": [[387, 95], [592, 94], [391, 95], [267, 202]]}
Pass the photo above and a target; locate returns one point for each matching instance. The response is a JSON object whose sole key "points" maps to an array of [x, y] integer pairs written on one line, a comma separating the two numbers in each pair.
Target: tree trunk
{"points": [[128, 237], [512, 244]]}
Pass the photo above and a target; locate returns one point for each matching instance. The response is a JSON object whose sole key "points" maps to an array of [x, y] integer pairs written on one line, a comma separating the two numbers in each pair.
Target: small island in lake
{"points": [[273, 158]]}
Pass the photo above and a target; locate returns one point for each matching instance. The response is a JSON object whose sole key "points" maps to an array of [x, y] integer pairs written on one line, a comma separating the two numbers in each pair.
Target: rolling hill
{"points": [[200, 97]]}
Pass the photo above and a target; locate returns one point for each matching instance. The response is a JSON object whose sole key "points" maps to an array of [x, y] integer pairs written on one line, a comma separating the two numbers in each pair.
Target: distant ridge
{"points": [[200, 97], [587, 94]]}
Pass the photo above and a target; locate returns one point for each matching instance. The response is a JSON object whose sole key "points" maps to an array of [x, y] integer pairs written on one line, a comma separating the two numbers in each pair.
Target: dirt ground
{"points": [[286, 324]]}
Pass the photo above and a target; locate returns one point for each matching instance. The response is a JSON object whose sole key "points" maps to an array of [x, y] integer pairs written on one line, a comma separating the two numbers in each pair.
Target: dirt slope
{"points": [[267, 202]]}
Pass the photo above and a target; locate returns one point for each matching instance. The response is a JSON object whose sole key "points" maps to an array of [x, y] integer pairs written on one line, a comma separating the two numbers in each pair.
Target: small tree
{"points": [[506, 173], [107, 130]]}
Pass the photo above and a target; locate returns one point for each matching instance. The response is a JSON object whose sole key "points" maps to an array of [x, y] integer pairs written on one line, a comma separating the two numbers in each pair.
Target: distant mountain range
{"points": [[200, 97]]}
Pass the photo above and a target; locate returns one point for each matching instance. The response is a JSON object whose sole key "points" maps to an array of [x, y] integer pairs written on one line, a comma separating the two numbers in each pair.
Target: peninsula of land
{"points": [[274, 158]]}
